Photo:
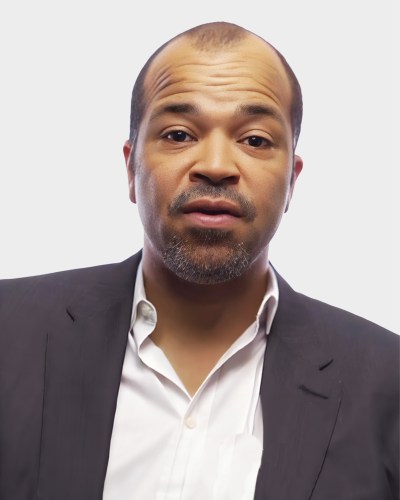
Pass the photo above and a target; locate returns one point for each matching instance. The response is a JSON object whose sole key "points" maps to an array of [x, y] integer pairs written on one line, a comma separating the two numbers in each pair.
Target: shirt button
{"points": [[190, 423]]}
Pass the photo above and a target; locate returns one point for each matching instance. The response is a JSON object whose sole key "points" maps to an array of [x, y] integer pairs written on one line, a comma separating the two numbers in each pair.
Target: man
{"points": [[220, 382]]}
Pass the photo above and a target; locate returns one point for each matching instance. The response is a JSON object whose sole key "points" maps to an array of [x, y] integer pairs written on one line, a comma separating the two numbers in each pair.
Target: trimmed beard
{"points": [[207, 257]]}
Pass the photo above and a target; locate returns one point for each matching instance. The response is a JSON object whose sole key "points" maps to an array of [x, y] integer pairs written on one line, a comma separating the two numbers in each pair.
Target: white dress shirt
{"points": [[167, 445]]}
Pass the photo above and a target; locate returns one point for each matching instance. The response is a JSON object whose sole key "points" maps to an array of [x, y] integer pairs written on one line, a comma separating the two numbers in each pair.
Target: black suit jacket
{"points": [[329, 392]]}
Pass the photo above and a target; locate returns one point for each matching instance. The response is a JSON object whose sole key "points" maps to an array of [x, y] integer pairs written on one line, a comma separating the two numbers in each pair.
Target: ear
{"points": [[128, 153], [297, 168]]}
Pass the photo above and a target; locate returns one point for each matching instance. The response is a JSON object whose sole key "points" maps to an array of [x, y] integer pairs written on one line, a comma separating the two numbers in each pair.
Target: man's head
{"points": [[212, 36], [211, 159]]}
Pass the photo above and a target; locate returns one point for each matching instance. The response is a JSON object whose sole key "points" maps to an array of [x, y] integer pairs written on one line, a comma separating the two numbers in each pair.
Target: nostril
{"points": [[215, 179]]}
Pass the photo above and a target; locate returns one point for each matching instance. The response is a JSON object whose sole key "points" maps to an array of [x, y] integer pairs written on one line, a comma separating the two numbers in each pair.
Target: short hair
{"points": [[208, 37]]}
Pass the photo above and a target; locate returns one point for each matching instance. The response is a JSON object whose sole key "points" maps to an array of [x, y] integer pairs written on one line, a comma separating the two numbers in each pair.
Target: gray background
{"points": [[67, 71]]}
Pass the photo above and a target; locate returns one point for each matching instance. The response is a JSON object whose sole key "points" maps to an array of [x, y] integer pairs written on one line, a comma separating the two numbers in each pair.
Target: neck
{"points": [[200, 309], [196, 323]]}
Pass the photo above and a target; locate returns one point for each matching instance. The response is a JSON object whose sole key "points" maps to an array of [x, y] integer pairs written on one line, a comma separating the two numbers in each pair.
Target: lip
{"points": [[212, 208], [211, 213]]}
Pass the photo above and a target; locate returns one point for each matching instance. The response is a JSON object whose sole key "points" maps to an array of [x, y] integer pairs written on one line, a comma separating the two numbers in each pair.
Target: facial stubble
{"points": [[207, 255]]}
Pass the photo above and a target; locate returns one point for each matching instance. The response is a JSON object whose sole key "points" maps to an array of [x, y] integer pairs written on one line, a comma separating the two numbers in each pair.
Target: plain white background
{"points": [[67, 69]]}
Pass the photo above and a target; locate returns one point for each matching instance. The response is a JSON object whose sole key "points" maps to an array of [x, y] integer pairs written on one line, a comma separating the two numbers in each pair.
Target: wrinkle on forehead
{"points": [[254, 69]]}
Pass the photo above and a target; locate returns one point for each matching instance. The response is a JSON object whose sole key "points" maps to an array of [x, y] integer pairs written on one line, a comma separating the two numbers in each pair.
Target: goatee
{"points": [[208, 257]]}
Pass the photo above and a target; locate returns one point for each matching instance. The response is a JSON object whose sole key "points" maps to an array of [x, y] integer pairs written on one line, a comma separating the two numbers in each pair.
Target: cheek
{"points": [[147, 194], [161, 175], [272, 189], [154, 191]]}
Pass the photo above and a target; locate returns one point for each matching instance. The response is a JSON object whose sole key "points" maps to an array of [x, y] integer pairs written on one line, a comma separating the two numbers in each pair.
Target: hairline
{"points": [[139, 89]]}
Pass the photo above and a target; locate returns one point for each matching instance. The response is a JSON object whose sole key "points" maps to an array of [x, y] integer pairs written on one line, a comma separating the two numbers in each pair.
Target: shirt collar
{"points": [[269, 303], [145, 312]]}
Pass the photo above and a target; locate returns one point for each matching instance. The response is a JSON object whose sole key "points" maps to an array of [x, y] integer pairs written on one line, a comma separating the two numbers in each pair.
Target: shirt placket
{"points": [[179, 476]]}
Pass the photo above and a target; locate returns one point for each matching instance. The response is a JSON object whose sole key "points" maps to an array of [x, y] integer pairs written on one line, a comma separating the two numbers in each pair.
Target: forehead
{"points": [[248, 71]]}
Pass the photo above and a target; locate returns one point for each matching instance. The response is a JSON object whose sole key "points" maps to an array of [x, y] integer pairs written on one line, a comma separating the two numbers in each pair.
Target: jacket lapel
{"points": [[86, 344], [300, 395]]}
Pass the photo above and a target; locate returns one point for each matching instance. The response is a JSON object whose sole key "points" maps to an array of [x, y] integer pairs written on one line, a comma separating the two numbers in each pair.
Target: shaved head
{"points": [[213, 37]]}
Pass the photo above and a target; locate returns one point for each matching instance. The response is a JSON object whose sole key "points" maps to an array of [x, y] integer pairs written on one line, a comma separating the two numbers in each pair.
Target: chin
{"points": [[210, 263]]}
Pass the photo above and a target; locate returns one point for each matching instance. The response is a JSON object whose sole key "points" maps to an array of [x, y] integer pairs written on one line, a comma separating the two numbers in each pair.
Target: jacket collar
{"points": [[300, 395], [86, 343]]}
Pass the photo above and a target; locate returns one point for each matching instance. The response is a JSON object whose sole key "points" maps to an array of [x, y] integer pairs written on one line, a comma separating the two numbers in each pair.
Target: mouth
{"points": [[212, 208], [211, 213]]}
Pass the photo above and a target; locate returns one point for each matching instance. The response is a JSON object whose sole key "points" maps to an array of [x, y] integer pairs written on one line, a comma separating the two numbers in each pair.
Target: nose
{"points": [[215, 163]]}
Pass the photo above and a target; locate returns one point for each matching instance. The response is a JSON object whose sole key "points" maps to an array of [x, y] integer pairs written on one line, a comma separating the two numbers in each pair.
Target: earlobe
{"points": [[128, 152], [297, 168]]}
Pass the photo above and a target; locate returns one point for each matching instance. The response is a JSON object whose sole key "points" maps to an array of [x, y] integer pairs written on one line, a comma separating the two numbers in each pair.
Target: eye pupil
{"points": [[179, 136], [255, 141]]}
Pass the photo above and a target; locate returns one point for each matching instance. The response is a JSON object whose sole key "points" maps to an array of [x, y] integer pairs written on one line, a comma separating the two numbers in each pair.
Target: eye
{"points": [[255, 141], [178, 136]]}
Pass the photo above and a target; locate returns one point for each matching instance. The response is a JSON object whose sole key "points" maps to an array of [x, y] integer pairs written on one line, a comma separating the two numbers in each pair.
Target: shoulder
{"points": [[48, 287], [328, 319], [367, 353], [338, 325]]}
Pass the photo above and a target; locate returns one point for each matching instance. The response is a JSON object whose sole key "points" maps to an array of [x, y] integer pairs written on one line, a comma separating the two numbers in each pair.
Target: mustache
{"points": [[247, 208]]}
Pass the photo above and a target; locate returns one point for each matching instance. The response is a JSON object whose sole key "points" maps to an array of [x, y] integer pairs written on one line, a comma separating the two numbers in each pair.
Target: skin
{"points": [[221, 144]]}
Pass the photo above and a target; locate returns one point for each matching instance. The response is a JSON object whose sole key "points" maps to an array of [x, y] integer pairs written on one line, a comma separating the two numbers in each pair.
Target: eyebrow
{"points": [[242, 110], [258, 109], [176, 109]]}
